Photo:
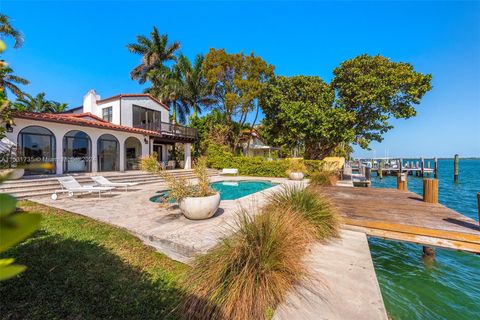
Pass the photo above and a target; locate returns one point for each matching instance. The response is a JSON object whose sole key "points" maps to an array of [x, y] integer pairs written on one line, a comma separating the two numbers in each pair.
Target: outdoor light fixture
{"points": [[145, 140], [9, 127]]}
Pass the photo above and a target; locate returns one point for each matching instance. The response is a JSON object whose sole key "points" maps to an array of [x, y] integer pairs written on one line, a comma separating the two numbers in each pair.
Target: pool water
{"points": [[229, 190]]}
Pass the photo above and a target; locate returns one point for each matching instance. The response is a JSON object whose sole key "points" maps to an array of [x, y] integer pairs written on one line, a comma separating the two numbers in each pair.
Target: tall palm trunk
{"points": [[174, 112], [195, 110]]}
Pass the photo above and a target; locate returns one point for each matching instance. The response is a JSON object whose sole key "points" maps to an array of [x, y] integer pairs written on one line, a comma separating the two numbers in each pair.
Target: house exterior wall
{"points": [[59, 130], [122, 108], [127, 109]]}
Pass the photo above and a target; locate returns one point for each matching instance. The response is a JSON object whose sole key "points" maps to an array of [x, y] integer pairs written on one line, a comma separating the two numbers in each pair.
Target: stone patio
{"points": [[164, 228], [344, 284]]}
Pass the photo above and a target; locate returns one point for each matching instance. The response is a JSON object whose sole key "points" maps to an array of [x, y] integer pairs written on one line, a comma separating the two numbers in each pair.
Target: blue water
{"points": [[448, 287], [229, 190]]}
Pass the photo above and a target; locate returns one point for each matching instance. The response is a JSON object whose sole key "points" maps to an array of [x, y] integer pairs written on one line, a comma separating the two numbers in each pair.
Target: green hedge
{"points": [[219, 158]]}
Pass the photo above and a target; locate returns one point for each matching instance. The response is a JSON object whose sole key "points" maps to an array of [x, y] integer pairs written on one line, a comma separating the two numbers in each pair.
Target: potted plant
{"points": [[9, 165], [197, 202], [296, 169]]}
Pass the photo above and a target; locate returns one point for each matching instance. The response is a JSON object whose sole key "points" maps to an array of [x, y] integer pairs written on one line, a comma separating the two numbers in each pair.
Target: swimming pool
{"points": [[229, 190]]}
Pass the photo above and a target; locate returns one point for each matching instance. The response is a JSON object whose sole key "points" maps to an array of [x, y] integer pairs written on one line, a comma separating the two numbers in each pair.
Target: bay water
{"points": [[447, 287]]}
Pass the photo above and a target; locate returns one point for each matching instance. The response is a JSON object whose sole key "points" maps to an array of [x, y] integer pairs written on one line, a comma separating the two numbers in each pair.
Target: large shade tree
{"points": [[237, 81], [375, 89], [38, 104], [156, 51], [299, 114]]}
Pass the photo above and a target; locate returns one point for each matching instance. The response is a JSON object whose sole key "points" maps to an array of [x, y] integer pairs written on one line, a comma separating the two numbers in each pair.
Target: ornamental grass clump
{"points": [[311, 204], [149, 163], [323, 178], [181, 188], [249, 273]]}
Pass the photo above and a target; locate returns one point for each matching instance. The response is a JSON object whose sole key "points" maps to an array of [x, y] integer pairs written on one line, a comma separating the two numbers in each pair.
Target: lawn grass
{"points": [[79, 268]]}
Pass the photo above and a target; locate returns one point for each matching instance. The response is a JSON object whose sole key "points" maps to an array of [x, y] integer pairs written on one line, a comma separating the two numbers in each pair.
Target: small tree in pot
{"points": [[196, 201], [296, 169]]}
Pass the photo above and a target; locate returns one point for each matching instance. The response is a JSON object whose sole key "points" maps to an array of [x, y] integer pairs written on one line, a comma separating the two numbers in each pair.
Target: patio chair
{"points": [[162, 165], [104, 182], [171, 164], [71, 186]]}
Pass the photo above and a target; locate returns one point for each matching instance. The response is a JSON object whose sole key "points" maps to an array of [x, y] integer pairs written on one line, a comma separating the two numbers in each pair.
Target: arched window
{"points": [[36, 147], [77, 152], [133, 150], [108, 153]]}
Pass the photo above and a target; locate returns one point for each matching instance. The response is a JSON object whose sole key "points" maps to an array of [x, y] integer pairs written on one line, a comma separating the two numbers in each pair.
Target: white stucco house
{"points": [[101, 135], [253, 144]]}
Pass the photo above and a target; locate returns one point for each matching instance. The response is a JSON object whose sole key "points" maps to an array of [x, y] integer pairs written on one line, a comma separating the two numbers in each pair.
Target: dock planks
{"points": [[403, 216]]}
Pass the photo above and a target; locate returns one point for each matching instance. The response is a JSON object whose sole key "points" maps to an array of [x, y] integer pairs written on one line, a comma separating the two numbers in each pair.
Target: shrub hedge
{"points": [[218, 158]]}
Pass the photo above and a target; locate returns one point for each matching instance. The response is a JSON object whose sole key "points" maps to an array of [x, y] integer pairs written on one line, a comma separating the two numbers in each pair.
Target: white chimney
{"points": [[90, 101]]}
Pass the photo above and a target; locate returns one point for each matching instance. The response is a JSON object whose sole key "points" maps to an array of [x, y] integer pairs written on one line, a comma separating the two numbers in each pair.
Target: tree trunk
{"points": [[237, 138], [195, 110], [314, 151], [174, 112], [251, 129]]}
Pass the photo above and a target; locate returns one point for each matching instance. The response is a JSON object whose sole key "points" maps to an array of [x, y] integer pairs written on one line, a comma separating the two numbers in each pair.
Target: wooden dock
{"points": [[403, 216]]}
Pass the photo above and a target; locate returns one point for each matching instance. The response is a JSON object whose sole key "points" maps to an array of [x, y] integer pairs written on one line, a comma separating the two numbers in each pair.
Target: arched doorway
{"points": [[36, 146], [133, 150], [108, 153], [77, 152]]}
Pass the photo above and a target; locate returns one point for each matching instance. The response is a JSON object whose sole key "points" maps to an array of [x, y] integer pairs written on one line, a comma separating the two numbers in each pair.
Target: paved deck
{"points": [[401, 215], [164, 228], [345, 286]]}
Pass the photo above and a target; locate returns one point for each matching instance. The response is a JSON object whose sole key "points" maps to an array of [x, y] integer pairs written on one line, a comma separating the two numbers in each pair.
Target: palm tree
{"points": [[7, 30], [197, 94], [9, 81], [155, 52], [38, 104], [169, 88]]}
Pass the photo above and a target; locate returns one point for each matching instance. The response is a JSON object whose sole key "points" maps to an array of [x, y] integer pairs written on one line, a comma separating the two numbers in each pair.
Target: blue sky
{"points": [[71, 47]]}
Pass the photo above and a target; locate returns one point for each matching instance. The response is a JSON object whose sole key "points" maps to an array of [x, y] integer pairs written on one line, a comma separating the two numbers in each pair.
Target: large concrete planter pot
{"points": [[15, 174], [296, 175], [199, 208]]}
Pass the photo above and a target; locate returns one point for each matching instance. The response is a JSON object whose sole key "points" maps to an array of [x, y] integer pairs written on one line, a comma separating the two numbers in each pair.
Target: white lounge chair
{"points": [[104, 182], [233, 171], [71, 186]]}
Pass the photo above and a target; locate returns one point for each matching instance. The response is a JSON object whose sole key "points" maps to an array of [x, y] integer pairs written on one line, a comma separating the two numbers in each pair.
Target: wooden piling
{"points": [[380, 169], [368, 172], [402, 181], [435, 170], [428, 252], [455, 168], [430, 194], [430, 190], [422, 174]]}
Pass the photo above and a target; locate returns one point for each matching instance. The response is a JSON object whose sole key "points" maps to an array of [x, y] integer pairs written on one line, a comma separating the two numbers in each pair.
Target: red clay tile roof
{"points": [[79, 119], [83, 115], [128, 95]]}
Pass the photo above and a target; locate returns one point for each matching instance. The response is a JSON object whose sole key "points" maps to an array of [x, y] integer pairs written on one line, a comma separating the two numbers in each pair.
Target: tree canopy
{"points": [[38, 103], [7, 30], [237, 81], [299, 113], [374, 89], [155, 52], [10, 81]]}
